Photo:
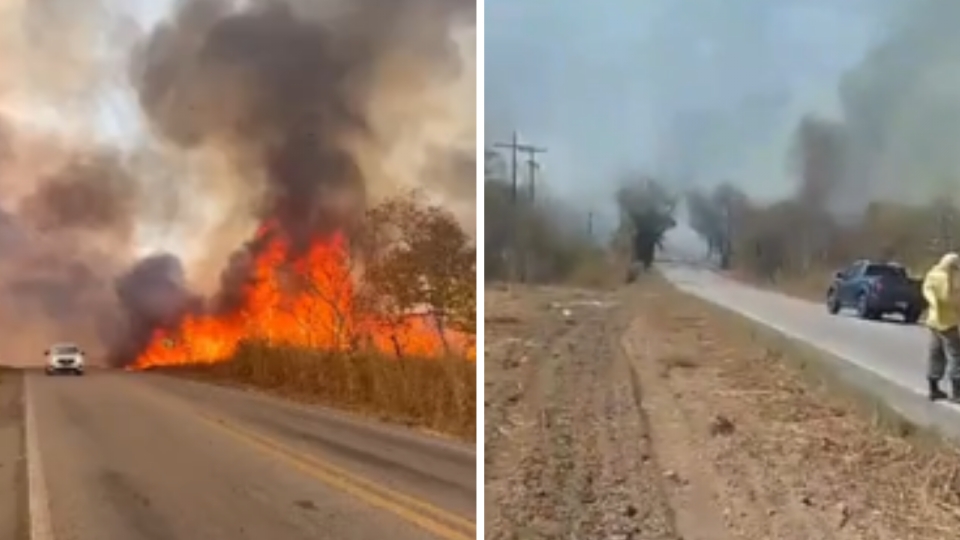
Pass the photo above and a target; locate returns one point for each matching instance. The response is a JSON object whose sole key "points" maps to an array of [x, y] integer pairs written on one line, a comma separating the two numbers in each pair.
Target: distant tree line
{"points": [[804, 232]]}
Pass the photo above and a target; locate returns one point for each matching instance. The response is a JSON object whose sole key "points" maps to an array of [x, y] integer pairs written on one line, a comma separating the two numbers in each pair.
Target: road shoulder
{"points": [[695, 425], [782, 447], [13, 501]]}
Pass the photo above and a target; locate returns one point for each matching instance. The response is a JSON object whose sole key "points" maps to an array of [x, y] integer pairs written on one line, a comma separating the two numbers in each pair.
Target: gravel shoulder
{"points": [[645, 413], [13, 504]]}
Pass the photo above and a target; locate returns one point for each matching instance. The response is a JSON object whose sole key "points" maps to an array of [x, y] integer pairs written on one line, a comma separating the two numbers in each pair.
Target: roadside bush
{"points": [[538, 243], [545, 241], [408, 288], [434, 393], [826, 223]]}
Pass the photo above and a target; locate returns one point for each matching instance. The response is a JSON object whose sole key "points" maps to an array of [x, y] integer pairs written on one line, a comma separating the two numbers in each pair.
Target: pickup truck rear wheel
{"points": [[863, 309]]}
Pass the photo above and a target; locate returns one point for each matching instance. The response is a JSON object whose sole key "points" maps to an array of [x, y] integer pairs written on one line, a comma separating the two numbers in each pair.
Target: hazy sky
{"points": [[702, 89], [119, 119], [114, 109], [90, 95]]}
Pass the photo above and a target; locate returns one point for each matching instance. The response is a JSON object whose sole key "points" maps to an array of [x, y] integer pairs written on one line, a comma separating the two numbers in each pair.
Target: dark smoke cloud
{"points": [[900, 111], [94, 192], [280, 90], [62, 239], [154, 295], [895, 135], [280, 87], [51, 292]]}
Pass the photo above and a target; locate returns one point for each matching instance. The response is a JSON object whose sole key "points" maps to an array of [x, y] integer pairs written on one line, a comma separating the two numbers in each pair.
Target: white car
{"points": [[64, 357]]}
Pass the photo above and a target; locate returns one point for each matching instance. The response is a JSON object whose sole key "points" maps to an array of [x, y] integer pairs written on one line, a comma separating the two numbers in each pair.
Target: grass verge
{"points": [[821, 425], [436, 394], [815, 366], [811, 286]]}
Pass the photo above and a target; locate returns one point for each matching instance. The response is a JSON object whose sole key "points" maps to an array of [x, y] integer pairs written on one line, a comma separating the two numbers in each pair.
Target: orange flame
{"points": [[318, 310]]}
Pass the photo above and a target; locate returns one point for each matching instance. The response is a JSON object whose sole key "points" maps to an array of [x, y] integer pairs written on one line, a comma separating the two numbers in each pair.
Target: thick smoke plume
{"points": [[284, 90], [61, 242], [900, 112], [298, 114], [894, 135]]}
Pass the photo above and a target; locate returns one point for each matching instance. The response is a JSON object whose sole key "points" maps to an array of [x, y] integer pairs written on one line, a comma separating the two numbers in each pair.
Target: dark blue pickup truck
{"points": [[875, 289]]}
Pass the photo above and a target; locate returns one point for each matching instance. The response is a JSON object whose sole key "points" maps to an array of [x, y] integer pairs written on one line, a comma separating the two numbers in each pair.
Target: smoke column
{"points": [[296, 113]]}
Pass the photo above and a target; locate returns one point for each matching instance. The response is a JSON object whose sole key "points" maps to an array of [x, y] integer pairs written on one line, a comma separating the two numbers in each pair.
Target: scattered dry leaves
{"points": [[655, 415]]}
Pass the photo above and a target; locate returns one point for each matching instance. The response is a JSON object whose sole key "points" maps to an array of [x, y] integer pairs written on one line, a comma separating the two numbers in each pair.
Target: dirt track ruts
{"points": [[566, 455], [644, 413]]}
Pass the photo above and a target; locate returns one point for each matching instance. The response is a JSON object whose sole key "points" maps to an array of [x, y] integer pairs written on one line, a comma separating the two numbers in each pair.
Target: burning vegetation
{"points": [[312, 301], [308, 167], [275, 88]]}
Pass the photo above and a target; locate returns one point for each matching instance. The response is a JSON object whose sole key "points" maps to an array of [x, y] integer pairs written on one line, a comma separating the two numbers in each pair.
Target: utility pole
{"points": [[518, 249], [590, 224], [515, 147], [532, 168]]}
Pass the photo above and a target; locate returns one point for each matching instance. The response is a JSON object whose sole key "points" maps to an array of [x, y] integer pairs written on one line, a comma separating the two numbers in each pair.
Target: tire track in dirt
{"points": [[539, 488], [579, 470], [663, 418], [516, 332]]}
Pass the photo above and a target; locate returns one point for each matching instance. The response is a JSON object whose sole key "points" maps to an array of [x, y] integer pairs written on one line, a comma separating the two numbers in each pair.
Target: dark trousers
{"points": [[944, 355]]}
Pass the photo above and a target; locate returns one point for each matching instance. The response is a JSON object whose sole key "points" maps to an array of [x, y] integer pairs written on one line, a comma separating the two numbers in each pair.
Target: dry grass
{"points": [[809, 286], [595, 271], [701, 421], [844, 446], [434, 394]]}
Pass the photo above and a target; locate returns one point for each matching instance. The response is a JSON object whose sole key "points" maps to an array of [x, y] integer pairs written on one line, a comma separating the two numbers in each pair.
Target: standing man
{"points": [[943, 317]]}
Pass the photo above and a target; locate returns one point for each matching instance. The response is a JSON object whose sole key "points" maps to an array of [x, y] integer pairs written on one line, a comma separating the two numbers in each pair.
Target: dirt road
{"points": [[644, 413]]}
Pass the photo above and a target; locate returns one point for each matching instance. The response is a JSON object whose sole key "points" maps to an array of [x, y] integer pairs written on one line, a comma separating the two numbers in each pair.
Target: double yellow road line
{"points": [[441, 523]]}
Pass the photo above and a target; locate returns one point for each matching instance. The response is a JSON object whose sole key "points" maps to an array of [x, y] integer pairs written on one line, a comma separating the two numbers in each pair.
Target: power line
{"points": [[519, 241], [532, 168], [516, 147]]}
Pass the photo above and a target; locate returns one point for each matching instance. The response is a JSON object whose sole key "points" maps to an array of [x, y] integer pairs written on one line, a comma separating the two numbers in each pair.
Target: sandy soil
{"points": [[647, 414]]}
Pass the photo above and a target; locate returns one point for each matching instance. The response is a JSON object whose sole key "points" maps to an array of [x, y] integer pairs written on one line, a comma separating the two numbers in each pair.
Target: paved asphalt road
{"points": [[885, 358], [131, 456]]}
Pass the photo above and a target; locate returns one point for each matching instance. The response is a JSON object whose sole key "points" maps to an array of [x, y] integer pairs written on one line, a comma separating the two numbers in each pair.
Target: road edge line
{"points": [[857, 376], [329, 413], [411, 509], [442, 524], [37, 501]]}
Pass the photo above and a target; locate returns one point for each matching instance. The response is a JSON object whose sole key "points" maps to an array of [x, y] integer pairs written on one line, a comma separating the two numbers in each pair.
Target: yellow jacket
{"points": [[938, 289]]}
